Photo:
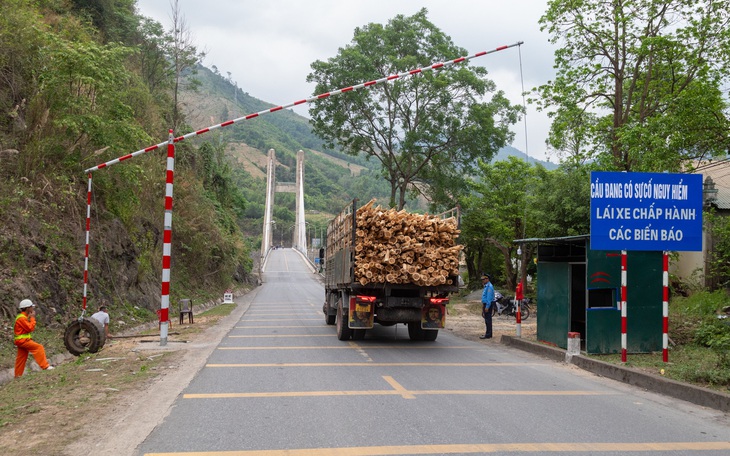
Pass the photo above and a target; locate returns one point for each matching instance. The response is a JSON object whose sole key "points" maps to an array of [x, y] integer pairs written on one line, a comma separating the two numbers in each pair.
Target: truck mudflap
{"points": [[362, 312], [433, 313]]}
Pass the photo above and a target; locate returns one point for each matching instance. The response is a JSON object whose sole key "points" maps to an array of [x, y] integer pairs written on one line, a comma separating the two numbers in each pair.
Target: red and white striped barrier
{"points": [[623, 307], [86, 250], [166, 259], [416, 71], [167, 242], [518, 316], [665, 306]]}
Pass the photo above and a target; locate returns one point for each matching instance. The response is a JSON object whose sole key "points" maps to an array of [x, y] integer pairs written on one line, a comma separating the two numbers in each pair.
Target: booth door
{"points": [[553, 300], [603, 329]]}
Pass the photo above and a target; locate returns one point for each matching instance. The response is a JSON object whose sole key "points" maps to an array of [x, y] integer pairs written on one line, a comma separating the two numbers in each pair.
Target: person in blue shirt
{"points": [[487, 299]]}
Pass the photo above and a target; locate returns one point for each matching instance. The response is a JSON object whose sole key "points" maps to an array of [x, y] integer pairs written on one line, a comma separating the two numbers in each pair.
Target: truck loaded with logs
{"points": [[388, 267]]}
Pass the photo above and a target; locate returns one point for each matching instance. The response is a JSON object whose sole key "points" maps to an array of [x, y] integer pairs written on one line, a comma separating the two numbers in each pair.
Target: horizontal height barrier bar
{"points": [[227, 123]]}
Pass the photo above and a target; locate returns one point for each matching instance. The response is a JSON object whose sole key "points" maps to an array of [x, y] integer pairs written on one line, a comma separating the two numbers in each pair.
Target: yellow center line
{"points": [[294, 306], [283, 304], [348, 347], [282, 335], [274, 313], [397, 391], [360, 350], [289, 317], [279, 327], [538, 447], [398, 387], [373, 364], [291, 394]]}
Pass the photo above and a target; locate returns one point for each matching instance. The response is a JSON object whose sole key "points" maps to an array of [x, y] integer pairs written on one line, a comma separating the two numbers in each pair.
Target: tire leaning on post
{"points": [[84, 335]]}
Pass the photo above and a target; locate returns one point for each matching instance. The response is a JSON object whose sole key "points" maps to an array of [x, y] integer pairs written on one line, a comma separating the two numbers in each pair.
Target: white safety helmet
{"points": [[25, 303]]}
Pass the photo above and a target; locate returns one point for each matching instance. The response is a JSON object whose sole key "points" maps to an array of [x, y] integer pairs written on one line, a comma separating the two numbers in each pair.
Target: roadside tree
{"points": [[495, 214], [639, 85], [512, 200], [425, 130]]}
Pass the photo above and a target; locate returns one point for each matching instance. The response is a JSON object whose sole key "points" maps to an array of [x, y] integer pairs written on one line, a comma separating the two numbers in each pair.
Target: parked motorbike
{"points": [[505, 306]]}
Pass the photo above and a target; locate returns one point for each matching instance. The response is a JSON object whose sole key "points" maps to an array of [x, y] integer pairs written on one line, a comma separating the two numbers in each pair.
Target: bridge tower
{"points": [[299, 238], [300, 233]]}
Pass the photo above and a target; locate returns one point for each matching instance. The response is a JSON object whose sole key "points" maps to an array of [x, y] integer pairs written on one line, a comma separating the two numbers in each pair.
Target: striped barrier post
{"points": [[665, 306], [86, 249], [164, 307], [519, 298], [623, 306], [167, 242]]}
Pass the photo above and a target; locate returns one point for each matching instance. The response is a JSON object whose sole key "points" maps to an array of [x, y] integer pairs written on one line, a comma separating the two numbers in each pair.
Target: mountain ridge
{"points": [[219, 99]]}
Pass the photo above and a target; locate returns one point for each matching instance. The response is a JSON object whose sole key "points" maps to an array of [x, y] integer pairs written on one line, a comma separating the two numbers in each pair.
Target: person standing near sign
{"points": [[487, 300]]}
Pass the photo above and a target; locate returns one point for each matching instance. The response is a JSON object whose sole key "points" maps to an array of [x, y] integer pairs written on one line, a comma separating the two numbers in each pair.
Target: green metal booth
{"points": [[579, 290]]}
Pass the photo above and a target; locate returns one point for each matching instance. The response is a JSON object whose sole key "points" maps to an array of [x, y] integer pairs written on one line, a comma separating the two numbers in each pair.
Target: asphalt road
{"points": [[280, 383]]}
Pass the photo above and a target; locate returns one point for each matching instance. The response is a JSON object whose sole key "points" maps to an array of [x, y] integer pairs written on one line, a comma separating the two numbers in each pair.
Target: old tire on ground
{"points": [[415, 332], [358, 334], [430, 334], [343, 331], [86, 335]]}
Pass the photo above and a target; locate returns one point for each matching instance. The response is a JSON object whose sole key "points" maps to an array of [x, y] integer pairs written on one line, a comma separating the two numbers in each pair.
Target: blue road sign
{"points": [[646, 211]]}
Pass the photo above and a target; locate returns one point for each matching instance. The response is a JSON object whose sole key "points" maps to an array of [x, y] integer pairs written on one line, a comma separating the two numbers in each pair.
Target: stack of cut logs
{"points": [[402, 248]]}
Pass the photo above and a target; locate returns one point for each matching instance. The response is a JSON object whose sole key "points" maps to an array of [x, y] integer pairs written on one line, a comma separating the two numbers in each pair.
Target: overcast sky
{"points": [[268, 46]]}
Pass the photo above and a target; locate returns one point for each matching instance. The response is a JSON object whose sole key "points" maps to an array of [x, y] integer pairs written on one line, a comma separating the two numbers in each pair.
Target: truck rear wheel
{"points": [[415, 332], [343, 331], [328, 317], [430, 334]]}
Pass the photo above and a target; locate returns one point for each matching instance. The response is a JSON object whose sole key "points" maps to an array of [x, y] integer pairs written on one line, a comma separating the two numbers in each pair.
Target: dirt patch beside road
{"points": [[105, 403], [464, 320]]}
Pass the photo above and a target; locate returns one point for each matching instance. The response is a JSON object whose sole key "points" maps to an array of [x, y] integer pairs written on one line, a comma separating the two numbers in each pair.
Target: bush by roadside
{"points": [[699, 349]]}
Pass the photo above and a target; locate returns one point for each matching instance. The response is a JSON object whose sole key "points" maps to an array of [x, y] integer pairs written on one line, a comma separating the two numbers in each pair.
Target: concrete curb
{"points": [[667, 387]]}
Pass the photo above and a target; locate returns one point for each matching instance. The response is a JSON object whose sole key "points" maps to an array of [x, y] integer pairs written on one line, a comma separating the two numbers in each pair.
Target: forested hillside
{"points": [[87, 82], [331, 178], [84, 83]]}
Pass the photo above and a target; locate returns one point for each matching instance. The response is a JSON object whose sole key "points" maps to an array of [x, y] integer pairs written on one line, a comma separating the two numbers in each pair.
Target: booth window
{"points": [[601, 298]]}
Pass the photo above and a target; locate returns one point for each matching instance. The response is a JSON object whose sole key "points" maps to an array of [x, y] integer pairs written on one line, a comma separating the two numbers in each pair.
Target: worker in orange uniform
{"points": [[24, 326]]}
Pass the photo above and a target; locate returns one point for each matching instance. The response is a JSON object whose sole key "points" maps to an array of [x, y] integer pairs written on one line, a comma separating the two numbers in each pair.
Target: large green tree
{"points": [[561, 201], [426, 130], [495, 214], [512, 199], [639, 82]]}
